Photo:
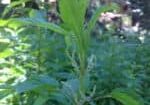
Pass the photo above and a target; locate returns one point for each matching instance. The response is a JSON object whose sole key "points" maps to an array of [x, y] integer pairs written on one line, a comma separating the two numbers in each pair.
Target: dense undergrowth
{"points": [[42, 63]]}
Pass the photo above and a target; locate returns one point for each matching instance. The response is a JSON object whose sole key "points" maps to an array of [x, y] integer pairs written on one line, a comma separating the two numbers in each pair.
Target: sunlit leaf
{"points": [[3, 22], [125, 98], [6, 53]]}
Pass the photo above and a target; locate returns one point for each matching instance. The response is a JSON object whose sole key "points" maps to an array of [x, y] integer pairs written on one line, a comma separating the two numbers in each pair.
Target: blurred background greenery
{"points": [[35, 68]]}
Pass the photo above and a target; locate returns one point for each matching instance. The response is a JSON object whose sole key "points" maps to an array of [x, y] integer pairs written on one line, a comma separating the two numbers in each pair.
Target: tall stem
{"points": [[82, 57]]}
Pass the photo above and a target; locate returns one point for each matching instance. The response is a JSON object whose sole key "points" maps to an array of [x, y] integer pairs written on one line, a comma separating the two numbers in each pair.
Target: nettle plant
{"points": [[76, 32]]}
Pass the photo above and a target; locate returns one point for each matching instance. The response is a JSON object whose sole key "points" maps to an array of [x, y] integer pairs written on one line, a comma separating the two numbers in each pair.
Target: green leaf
{"points": [[68, 13], [71, 89], [4, 43], [10, 23], [60, 98], [40, 100], [125, 98], [37, 84], [5, 90], [83, 5], [72, 12], [37, 23], [6, 53], [102, 9], [3, 22], [5, 93]]}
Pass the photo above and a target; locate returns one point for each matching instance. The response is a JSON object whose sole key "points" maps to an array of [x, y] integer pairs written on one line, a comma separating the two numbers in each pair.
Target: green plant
{"points": [[77, 87]]}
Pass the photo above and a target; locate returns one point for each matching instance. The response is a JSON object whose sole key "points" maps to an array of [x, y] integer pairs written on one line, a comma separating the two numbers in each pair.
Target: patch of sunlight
{"points": [[5, 1]]}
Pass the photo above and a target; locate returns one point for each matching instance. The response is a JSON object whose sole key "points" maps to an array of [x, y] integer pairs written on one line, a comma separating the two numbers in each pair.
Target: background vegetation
{"points": [[68, 57]]}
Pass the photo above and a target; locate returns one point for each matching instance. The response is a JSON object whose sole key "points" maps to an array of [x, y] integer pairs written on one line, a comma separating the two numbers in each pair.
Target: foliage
{"points": [[41, 67]]}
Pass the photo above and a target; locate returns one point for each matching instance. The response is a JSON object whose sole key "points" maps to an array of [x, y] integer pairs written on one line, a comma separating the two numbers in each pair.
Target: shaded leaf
{"points": [[40, 100], [97, 14], [37, 83], [37, 23]]}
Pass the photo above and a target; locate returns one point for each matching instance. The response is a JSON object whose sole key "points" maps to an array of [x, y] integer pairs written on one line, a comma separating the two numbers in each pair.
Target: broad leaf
{"points": [[72, 12], [71, 89], [37, 23], [3, 22], [60, 98], [125, 98], [40, 100], [37, 83], [6, 53]]}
